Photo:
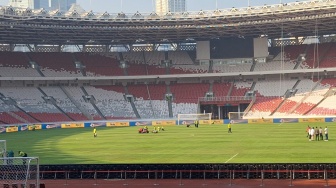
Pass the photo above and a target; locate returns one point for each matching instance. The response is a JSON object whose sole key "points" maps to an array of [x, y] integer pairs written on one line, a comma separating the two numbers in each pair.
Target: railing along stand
{"points": [[95, 178], [326, 178], [125, 178], [66, 178], [204, 181], [230, 178], [156, 183], [181, 178], [262, 178], [291, 178]]}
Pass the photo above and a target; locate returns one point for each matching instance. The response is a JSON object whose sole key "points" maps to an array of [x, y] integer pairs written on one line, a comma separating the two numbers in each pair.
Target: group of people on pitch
{"points": [[317, 133], [155, 129]]}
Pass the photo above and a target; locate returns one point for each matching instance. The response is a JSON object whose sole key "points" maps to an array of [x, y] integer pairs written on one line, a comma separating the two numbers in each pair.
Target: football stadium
{"points": [[238, 97]]}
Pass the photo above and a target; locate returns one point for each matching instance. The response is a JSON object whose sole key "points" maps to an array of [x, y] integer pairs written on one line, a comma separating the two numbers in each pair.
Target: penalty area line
{"points": [[231, 158]]}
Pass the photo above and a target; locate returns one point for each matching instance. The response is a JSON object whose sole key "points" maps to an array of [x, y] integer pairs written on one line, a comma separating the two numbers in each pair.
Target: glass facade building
{"points": [[162, 7], [63, 5]]}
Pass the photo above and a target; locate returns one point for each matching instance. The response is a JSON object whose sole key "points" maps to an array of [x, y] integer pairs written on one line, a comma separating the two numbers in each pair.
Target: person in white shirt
{"points": [[326, 133], [312, 133]]}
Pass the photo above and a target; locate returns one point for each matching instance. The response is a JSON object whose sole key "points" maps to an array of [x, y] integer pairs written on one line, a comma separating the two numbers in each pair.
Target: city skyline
{"points": [[162, 7], [63, 5], [148, 6]]}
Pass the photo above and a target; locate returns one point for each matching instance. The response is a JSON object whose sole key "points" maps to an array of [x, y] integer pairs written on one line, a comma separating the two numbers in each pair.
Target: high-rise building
{"points": [[63, 5], [22, 3], [162, 7]]}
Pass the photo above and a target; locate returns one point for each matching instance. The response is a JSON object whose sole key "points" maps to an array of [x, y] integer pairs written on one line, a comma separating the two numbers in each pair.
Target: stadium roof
{"points": [[25, 26]]}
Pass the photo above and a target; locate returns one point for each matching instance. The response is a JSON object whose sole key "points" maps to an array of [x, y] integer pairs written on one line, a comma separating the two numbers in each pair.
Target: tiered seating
{"points": [[325, 108], [149, 109], [160, 108], [240, 88], [288, 105], [273, 87], [293, 52], [329, 82], [221, 89], [311, 101], [77, 117], [328, 62], [18, 59], [153, 105], [56, 64], [232, 68], [305, 86], [8, 119], [136, 69], [180, 58], [274, 65], [314, 52], [187, 69], [157, 91], [64, 102], [329, 59], [265, 105], [25, 116], [156, 70], [50, 117], [152, 58], [98, 65], [184, 108], [15, 64], [111, 102], [78, 94], [188, 93], [29, 99]]}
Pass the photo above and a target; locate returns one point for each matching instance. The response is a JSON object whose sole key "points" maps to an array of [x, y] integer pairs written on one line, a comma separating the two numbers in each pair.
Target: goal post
{"points": [[190, 118], [19, 172], [236, 115]]}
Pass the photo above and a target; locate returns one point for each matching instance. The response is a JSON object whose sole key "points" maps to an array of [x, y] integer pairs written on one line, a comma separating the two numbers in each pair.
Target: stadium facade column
{"points": [[11, 47], [59, 48], [296, 40]]}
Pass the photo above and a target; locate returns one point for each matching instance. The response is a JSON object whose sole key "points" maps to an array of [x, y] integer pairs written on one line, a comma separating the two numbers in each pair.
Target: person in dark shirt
{"points": [[23, 154]]}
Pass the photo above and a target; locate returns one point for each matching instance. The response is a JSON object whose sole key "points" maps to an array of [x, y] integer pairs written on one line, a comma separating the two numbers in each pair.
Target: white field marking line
{"points": [[231, 158]]}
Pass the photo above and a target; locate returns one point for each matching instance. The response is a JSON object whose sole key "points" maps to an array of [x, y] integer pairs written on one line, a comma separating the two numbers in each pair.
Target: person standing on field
{"points": [[317, 135], [307, 130], [321, 133], [23, 154], [196, 123], [229, 128], [326, 133], [312, 133], [94, 132]]}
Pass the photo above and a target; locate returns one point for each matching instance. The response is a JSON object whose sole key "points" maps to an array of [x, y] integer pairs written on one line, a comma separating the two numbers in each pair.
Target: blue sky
{"points": [[146, 6]]}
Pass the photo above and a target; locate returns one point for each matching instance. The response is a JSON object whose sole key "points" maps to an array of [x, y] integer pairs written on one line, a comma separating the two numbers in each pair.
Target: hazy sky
{"points": [[146, 6]]}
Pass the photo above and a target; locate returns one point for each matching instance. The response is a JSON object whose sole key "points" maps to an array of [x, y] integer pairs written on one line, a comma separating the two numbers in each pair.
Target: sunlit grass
{"points": [[249, 143]]}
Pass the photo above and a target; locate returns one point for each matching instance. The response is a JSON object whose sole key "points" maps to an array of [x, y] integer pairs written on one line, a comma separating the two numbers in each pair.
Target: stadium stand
{"points": [[64, 102], [111, 102], [99, 65], [16, 64], [55, 64]]}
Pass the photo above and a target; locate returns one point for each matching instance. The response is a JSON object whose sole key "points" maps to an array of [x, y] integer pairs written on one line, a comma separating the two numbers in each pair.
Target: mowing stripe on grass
{"points": [[231, 158]]}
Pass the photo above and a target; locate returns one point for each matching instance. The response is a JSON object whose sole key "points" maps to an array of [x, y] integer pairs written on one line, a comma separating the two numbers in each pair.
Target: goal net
{"points": [[3, 151], [19, 172], [236, 115], [183, 119]]}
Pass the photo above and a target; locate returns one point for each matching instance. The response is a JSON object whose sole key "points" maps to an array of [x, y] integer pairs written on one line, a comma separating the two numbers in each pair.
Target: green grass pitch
{"points": [[249, 143]]}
